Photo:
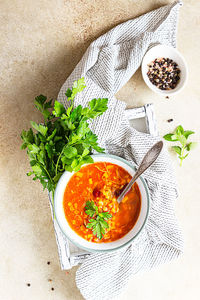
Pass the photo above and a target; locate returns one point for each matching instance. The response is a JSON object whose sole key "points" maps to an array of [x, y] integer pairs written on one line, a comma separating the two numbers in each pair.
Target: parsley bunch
{"points": [[64, 141], [181, 136], [98, 220]]}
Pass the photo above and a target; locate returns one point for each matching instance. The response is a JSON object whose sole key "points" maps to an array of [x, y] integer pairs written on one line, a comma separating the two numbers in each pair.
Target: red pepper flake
{"points": [[67, 273]]}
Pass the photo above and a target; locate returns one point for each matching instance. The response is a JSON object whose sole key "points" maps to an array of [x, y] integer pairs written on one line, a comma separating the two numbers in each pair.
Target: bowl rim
{"points": [[133, 166], [154, 88]]}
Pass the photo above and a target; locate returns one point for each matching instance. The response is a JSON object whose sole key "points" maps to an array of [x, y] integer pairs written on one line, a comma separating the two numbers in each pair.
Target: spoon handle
{"points": [[147, 161]]}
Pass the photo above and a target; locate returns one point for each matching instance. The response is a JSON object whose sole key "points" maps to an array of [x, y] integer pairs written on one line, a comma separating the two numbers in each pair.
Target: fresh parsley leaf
{"points": [[43, 106], [91, 141], [181, 136], [98, 219], [40, 128], [78, 86], [97, 107], [70, 152], [58, 109], [105, 215], [27, 137], [33, 148]]}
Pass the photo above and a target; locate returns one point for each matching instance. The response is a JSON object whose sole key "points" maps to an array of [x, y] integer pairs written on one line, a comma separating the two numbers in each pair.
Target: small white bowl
{"points": [[101, 247], [166, 52]]}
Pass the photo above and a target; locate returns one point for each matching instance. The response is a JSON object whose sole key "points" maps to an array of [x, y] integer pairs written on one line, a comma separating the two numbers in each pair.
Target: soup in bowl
{"points": [[86, 206]]}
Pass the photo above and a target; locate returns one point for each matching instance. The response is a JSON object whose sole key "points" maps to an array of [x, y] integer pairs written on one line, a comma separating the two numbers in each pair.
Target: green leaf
{"points": [[90, 212], [27, 137], [40, 128], [66, 161], [105, 215], [42, 106], [74, 164], [86, 151], [59, 109], [57, 177], [50, 137], [179, 130], [170, 137], [177, 149], [90, 205], [99, 105], [68, 168], [191, 146], [182, 139], [42, 157], [70, 152], [33, 148], [77, 87], [50, 150], [87, 160], [89, 225], [74, 138], [37, 170], [76, 114], [68, 122], [82, 129], [104, 224], [97, 222], [40, 100], [91, 140], [187, 133], [30, 173], [68, 93], [98, 230]]}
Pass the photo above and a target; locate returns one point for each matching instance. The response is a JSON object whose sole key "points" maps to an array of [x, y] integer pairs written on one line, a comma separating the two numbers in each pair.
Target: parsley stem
{"points": [[46, 172], [59, 159], [60, 156], [181, 156]]}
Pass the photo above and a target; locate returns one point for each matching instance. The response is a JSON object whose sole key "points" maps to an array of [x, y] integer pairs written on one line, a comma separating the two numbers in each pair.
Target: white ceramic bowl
{"points": [[101, 247], [167, 52]]}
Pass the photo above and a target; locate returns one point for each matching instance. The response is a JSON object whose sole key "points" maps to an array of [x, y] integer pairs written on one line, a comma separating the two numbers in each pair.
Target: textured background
{"points": [[40, 44]]}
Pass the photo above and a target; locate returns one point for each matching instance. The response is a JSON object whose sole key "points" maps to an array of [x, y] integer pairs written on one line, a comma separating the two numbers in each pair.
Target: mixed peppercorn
{"points": [[164, 73]]}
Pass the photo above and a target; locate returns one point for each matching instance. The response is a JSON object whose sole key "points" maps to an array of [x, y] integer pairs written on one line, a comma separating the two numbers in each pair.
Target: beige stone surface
{"points": [[40, 43]]}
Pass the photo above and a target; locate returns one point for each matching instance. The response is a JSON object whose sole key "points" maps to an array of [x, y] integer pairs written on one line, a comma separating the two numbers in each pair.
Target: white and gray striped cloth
{"points": [[107, 65]]}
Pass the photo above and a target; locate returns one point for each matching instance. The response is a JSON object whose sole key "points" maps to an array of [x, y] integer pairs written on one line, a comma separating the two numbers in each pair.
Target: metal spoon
{"points": [[147, 161]]}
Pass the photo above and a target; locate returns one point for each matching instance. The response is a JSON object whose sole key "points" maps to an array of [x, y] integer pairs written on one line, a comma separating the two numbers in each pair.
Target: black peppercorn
{"points": [[164, 73]]}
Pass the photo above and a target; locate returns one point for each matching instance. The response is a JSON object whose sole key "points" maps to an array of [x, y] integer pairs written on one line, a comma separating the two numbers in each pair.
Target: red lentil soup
{"points": [[101, 182]]}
